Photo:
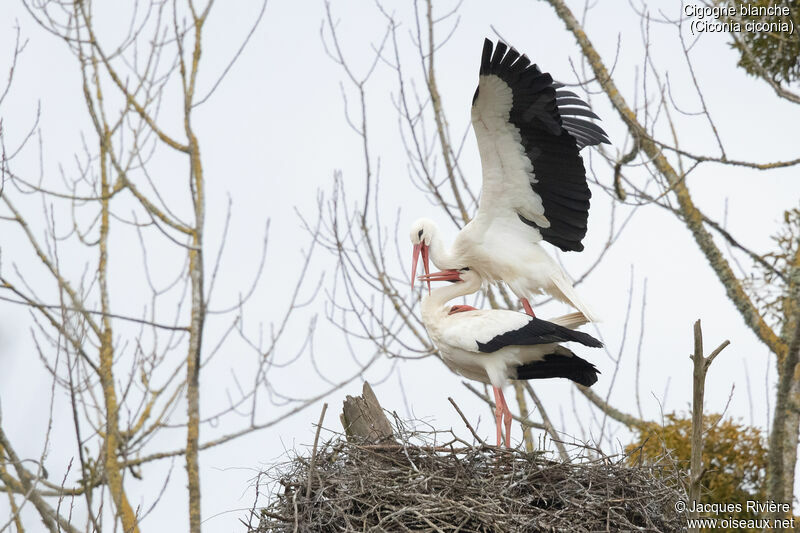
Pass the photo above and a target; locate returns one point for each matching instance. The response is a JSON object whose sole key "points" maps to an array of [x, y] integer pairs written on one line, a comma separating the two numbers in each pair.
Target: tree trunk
{"points": [[790, 440], [783, 439]]}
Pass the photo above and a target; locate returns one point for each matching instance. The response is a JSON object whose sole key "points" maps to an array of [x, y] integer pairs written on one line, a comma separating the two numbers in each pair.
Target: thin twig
{"points": [[466, 422], [314, 452]]}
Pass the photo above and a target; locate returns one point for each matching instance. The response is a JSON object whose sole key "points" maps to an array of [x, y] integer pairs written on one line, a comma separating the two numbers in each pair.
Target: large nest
{"points": [[422, 486]]}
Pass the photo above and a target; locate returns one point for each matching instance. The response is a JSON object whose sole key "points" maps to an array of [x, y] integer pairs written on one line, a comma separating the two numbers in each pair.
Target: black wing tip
{"points": [[556, 365], [571, 335], [500, 50], [585, 132], [502, 58], [570, 247], [486, 57], [505, 60], [555, 238], [586, 339], [587, 379]]}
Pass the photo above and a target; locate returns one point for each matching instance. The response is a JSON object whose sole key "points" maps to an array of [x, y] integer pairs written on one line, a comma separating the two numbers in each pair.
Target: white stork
{"points": [[494, 345], [529, 133]]}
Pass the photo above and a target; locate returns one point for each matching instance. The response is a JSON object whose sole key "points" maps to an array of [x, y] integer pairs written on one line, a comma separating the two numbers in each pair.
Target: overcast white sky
{"points": [[274, 133]]}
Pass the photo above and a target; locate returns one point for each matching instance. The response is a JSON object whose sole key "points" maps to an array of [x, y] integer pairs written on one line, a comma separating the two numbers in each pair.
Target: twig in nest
{"points": [[314, 451], [464, 418]]}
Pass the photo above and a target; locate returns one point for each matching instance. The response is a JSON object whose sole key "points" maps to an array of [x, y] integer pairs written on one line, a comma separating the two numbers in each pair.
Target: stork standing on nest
{"points": [[529, 131], [494, 345]]}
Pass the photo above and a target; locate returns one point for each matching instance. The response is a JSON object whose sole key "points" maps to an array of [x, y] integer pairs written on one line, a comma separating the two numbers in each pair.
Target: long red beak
{"points": [[421, 247], [444, 275]]}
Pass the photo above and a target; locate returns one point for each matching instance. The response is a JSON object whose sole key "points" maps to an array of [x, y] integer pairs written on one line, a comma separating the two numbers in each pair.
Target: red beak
{"points": [[444, 275], [421, 247]]}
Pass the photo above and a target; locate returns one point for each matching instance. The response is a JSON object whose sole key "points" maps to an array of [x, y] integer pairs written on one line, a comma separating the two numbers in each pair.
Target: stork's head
{"points": [[422, 231]]}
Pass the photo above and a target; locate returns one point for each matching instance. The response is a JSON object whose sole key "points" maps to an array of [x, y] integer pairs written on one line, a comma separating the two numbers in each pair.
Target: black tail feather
{"points": [[556, 365]]}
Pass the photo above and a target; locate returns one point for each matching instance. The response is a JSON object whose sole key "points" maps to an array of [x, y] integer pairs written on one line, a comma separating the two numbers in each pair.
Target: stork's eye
{"points": [[419, 234], [465, 269]]}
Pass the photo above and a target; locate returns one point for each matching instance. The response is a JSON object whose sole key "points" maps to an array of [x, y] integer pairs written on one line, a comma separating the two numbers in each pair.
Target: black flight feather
{"points": [[556, 365], [562, 101], [552, 130], [564, 110]]}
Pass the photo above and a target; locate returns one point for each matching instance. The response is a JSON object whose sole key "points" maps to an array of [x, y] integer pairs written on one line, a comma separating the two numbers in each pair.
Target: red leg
{"points": [[499, 401], [527, 306], [507, 418]]}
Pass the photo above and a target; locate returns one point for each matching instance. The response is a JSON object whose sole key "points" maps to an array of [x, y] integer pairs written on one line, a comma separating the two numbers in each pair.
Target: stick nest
{"points": [[421, 486]]}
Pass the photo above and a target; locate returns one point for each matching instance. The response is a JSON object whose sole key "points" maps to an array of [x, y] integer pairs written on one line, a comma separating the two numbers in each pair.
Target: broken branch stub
{"points": [[363, 418]]}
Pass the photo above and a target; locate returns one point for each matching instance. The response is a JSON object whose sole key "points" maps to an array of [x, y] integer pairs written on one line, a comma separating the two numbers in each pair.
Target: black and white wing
{"points": [[529, 133], [537, 331], [489, 330]]}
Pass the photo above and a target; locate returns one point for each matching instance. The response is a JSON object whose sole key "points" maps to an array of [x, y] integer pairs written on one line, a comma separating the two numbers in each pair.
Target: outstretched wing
{"points": [[529, 132]]}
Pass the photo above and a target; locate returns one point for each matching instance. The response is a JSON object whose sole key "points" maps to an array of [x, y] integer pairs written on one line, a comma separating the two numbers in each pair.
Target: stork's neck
{"points": [[437, 299], [442, 256]]}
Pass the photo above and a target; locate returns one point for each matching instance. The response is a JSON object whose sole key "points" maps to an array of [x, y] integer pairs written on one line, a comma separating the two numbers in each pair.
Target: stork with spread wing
{"points": [[529, 132]]}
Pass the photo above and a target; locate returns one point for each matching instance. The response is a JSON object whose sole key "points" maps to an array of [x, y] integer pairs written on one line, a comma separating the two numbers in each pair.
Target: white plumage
{"points": [[534, 182], [499, 251], [493, 346]]}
